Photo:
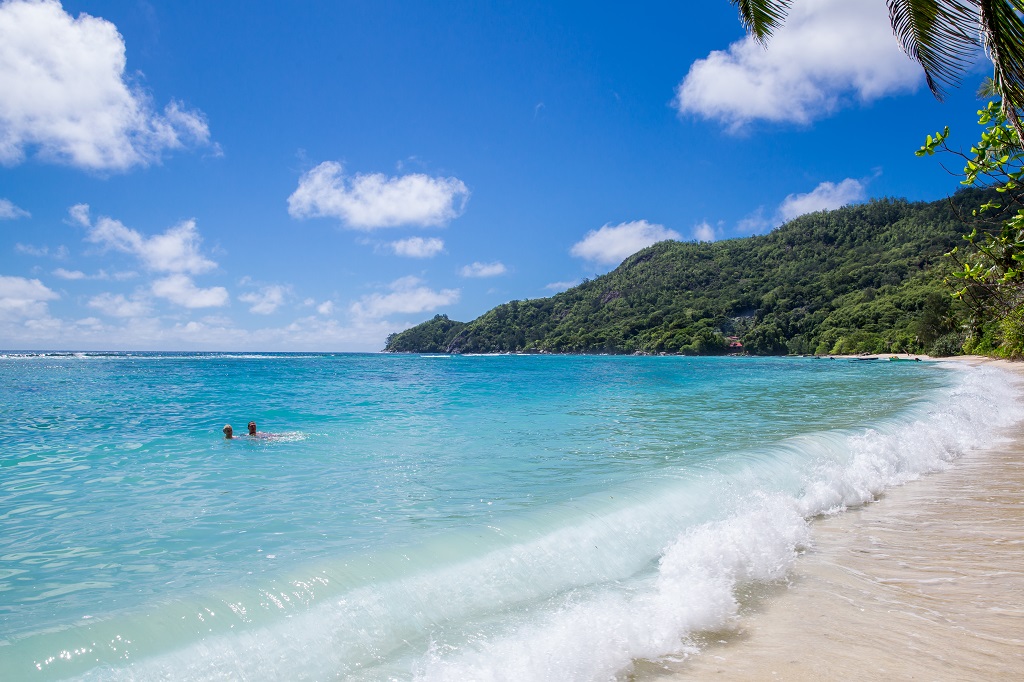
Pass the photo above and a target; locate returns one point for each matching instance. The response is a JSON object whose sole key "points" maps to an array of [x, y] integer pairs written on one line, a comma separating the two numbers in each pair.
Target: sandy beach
{"points": [[926, 583]]}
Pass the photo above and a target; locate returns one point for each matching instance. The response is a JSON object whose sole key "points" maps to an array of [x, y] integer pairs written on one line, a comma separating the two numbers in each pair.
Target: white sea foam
{"points": [[601, 585]]}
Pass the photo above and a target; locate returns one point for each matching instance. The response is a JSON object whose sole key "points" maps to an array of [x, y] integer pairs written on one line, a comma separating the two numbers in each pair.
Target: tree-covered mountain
{"points": [[861, 278]]}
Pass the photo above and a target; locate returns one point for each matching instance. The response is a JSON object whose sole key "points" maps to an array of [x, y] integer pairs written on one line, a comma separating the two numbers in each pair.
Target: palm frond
{"points": [[762, 17], [941, 35], [987, 89], [1002, 33]]}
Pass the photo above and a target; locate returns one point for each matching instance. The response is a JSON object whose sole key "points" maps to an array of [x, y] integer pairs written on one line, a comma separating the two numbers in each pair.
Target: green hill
{"points": [[860, 278]]}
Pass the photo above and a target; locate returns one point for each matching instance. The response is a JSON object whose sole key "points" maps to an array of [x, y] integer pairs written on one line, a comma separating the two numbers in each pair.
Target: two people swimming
{"points": [[229, 432]]}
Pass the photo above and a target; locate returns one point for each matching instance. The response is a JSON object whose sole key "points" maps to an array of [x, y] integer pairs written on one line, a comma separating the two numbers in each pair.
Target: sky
{"points": [[315, 176]]}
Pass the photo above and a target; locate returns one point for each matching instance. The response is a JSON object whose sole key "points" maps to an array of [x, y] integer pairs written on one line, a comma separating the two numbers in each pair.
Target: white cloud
{"points": [[479, 269], [755, 223], [826, 51], [70, 274], [613, 244], [266, 300], [36, 329], [370, 201], [116, 305], [64, 95], [22, 298], [408, 295], [9, 211], [325, 308], [562, 286], [79, 215], [417, 247], [101, 275], [176, 250], [181, 290], [826, 196], [704, 232], [60, 253]]}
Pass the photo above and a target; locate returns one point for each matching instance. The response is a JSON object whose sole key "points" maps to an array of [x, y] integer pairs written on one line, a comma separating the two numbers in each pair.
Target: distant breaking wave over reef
{"points": [[863, 278]]}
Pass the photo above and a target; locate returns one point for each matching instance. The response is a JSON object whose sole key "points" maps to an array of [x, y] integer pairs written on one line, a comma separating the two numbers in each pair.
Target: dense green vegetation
{"points": [[865, 278], [989, 276]]}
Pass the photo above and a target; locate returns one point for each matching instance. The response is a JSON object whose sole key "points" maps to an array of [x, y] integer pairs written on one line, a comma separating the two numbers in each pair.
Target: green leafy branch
{"points": [[990, 272]]}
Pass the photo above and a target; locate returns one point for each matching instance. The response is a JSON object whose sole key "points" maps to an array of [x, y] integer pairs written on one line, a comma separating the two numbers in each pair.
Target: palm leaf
{"points": [[941, 35], [1002, 33], [762, 17]]}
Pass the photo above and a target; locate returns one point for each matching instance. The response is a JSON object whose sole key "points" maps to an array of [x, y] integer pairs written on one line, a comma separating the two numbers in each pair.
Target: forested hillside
{"points": [[860, 278]]}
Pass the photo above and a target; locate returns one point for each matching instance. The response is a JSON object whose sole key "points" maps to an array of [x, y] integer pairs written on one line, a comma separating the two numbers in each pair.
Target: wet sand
{"points": [[927, 583]]}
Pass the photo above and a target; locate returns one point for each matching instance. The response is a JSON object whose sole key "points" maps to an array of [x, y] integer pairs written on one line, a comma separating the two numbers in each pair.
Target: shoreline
{"points": [[926, 582]]}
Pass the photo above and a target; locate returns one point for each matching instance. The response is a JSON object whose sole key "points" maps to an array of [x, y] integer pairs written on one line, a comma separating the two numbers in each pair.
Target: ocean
{"points": [[408, 517]]}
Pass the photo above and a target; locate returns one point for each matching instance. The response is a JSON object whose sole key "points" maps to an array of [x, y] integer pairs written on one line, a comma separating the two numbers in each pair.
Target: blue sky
{"points": [[316, 175]]}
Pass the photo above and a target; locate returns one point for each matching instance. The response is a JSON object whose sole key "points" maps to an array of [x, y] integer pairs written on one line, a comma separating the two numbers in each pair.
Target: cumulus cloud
{"points": [[176, 250], [754, 223], [373, 200], [116, 305], [22, 298], [562, 286], [827, 51], [181, 290], [63, 94], [705, 232], [826, 196], [613, 244], [325, 308], [417, 247], [265, 301], [407, 295], [9, 211], [70, 274], [479, 269], [79, 215]]}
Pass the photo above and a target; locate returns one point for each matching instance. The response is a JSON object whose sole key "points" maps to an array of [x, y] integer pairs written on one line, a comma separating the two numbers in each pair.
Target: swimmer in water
{"points": [[252, 429], [228, 434]]}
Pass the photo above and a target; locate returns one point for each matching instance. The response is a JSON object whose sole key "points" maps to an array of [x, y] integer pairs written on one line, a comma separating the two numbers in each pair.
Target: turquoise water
{"points": [[416, 517]]}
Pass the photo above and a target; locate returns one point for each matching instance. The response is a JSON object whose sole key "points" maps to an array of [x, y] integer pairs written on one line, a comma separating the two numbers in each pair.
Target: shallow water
{"points": [[489, 517]]}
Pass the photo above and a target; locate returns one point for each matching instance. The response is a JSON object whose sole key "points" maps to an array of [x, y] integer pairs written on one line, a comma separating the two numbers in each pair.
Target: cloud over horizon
{"points": [[22, 298], [825, 197], [118, 305], [373, 200], [65, 97], [827, 53], [266, 300], [705, 232], [610, 244], [181, 290], [408, 295]]}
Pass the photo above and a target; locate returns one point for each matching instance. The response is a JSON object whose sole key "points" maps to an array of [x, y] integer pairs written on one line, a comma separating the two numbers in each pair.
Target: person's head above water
{"points": [[227, 431], [252, 428]]}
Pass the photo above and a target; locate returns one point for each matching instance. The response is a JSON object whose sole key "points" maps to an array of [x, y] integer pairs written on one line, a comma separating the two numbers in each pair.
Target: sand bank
{"points": [[926, 583]]}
